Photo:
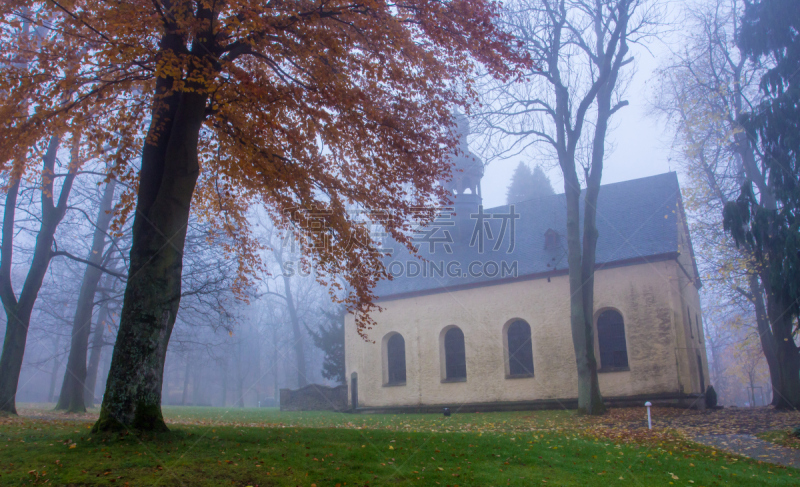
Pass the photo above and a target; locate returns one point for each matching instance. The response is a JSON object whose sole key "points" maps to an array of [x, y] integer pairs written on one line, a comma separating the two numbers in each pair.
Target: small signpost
{"points": [[649, 422]]}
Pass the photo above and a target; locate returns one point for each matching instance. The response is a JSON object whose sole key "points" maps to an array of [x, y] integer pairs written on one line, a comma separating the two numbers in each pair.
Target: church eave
{"points": [[529, 277]]}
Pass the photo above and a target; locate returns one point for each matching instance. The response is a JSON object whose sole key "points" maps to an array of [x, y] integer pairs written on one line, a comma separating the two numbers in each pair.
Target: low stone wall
{"points": [[315, 397]]}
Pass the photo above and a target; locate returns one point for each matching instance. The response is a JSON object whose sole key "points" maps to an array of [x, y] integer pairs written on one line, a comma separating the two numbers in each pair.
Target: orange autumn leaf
{"points": [[310, 109]]}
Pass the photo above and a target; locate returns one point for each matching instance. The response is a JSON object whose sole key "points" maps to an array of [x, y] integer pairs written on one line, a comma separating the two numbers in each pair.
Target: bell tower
{"points": [[467, 172]]}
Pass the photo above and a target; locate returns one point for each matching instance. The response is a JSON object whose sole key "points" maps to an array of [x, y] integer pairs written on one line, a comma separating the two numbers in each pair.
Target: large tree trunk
{"points": [[589, 399], [72, 394], [16, 319], [18, 311], [96, 351], [569, 117], [744, 147], [786, 381], [152, 296], [786, 392], [765, 334]]}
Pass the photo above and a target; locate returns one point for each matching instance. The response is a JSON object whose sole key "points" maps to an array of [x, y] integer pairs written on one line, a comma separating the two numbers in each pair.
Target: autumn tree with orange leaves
{"points": [[303, 107]]}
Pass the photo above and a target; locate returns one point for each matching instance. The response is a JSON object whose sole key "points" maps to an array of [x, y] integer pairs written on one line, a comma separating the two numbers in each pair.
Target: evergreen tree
{"points": [[527, 184], [330, 339], [766, 216]]}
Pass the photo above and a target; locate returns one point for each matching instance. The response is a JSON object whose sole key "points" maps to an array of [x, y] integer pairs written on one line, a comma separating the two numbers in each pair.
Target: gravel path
{"points": [[750, 446]]}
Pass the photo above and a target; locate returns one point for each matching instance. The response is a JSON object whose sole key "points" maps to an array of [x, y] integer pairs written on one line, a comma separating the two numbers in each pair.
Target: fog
{"points": [[237, 345]]}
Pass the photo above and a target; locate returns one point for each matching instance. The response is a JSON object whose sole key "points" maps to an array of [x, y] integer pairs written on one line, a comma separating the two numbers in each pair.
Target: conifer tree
{"points": [[766, 216], [330, 339], [526, 184]]}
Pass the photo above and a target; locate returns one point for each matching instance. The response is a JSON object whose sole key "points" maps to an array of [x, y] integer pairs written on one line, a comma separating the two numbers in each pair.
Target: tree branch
{"points": [[84, 261]]}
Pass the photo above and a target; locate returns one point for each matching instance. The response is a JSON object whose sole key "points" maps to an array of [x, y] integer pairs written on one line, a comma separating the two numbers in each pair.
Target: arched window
{"points": [[455, 359], [520, 349], [396, 359], [611, 339]]}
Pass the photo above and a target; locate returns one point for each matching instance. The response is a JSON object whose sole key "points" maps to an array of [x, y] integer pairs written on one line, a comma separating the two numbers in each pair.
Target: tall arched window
{"points": [[611, 339], [396, 359], [520, 349], [455, 359]]}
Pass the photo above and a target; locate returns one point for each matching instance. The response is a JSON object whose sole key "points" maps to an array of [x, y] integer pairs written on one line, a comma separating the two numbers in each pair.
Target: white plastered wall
{"points": [[647, 295]]}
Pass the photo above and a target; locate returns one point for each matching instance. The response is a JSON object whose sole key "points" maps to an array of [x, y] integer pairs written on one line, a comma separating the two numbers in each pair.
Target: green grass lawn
{"points": [[214, 446], [475, 422], [207, 416]]}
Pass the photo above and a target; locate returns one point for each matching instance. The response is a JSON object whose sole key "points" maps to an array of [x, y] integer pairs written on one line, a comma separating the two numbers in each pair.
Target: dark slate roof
{"points": [[636, 220]]}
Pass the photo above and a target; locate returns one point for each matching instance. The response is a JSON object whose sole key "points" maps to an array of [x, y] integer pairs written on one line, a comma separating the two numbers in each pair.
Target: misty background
{"points": [[286, 331]]}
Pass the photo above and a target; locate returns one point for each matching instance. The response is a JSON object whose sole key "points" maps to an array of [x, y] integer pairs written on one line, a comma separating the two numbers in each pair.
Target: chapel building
{"points": [[482, 320]]}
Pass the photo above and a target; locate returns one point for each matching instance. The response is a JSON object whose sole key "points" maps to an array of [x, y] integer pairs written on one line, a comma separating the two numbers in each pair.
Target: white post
{"points": [[649, 422]]}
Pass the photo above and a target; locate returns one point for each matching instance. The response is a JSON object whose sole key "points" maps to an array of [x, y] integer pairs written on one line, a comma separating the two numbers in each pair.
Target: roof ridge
{"points": [[584, 189]]}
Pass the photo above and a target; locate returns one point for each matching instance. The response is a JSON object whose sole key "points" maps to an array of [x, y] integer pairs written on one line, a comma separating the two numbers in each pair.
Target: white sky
{"points": [[641, 143]]}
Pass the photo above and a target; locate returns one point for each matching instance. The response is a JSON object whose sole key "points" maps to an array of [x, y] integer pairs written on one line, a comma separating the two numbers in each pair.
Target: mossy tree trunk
{"points": [[167, 181], [72, 397]]}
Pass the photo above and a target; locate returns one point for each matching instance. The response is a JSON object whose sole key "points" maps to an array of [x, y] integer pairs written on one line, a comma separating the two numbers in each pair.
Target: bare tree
{"points": [[18, 309], [108, 305], [73, 388], [291, 286], [580, 48]]}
